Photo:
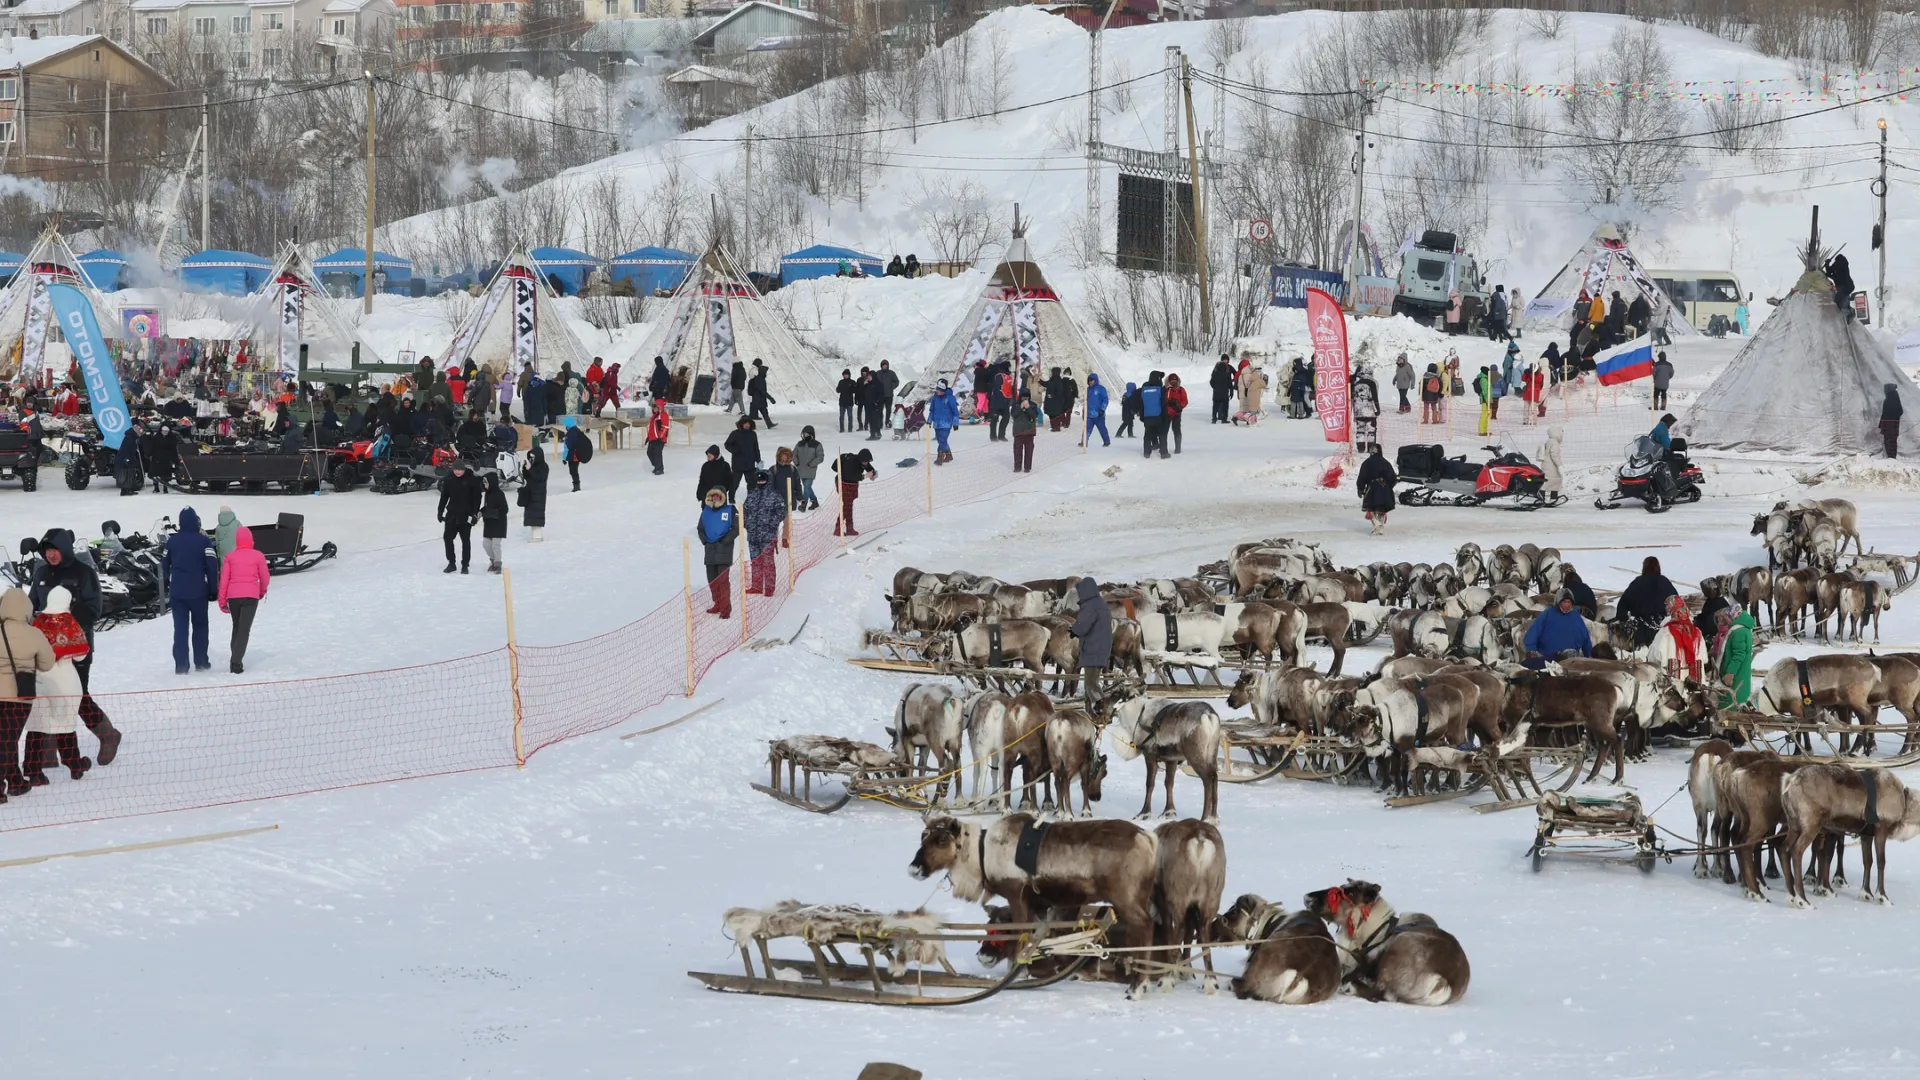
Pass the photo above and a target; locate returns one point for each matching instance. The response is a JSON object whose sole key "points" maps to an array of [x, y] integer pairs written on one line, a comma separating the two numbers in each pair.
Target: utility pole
{"points": [[206, 173], [746, 240], [1094, 228], [1880, 231], [1199, 204], [366, 280], [1359, 202], [106, 154]]}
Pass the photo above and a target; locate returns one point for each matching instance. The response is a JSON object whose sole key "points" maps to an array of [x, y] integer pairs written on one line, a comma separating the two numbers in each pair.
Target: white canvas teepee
{"points": [[290, 310], [1020, 319], [716, 316], [1602, 266], [517, 324], [26, 317], [1810, 381]]}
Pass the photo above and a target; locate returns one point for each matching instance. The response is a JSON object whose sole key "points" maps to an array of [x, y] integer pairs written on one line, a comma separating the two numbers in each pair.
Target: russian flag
{"points": [[1625, 365]]}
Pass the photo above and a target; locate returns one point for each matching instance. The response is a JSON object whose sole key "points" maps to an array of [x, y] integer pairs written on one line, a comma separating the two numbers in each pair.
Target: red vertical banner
{"points": [[1327, 325]]}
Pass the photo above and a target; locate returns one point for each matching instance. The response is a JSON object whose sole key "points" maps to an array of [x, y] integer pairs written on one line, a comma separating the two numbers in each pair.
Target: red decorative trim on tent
{"points": [[516, 272], [730, 289], [1013, 292]]}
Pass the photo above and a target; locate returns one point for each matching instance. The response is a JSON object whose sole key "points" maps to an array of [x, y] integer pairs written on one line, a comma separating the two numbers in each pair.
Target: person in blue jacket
{"points": [[1556, 631], [1662, 432], [190, 574], [1153, 415], [943, 412], [719, 527], [1096, 411]]}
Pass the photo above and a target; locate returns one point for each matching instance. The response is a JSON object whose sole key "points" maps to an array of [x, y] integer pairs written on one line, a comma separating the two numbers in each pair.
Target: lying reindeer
{"points": [[1391, 957], [1293, 962]]}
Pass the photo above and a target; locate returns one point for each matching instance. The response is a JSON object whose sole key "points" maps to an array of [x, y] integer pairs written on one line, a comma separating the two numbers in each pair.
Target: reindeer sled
{"points": [[878, 958], [1610, 828], [799, 769]]}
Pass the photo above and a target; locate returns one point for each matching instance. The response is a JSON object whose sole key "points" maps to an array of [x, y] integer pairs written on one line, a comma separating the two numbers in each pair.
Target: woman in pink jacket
{"points": [[243, 582]]}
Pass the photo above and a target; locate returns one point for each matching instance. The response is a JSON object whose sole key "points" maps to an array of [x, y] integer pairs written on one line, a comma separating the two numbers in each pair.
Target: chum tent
{"points": [[564, 269], [105, 270], [348, 265], [1018, 315], [652, 268], [823, 260], [716, 317], [25, 321], [1810, 380], [1603, 265], [232, 273], [516, 323], [291, 309]]}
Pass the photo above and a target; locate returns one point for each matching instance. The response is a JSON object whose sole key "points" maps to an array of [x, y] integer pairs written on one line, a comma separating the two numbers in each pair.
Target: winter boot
{"points": [[493, 568], [463, 568], [102, 728], [69, 747], [39, 755], [450, 569], [536, 535]]}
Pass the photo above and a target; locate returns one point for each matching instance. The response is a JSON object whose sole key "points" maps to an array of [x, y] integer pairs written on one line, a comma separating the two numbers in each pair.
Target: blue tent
{"points": [[104, 270], [651, 268], [10, 264], [235, 273], [346, 266], [823, 260], [564, 268]]}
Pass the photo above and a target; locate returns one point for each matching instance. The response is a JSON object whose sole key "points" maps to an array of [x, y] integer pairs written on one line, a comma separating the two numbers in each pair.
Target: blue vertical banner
{"points": [[74, 313]]}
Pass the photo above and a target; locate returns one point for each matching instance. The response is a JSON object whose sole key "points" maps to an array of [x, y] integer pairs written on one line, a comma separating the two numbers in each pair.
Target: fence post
{"points": [[513, 671], [790, 548], [839, 497], [929, 456], [746, 614], [686, 575]]}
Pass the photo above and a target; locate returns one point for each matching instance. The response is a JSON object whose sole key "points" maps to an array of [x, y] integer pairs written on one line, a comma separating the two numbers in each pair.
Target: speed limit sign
{"points": [[1259, 230]]}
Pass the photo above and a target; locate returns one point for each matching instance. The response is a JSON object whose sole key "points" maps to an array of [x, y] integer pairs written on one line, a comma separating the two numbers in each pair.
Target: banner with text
{"points": [[1327, 326]]}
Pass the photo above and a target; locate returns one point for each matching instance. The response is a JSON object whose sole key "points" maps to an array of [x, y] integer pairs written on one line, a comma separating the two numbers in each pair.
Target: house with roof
{"points": [[55, 106], [34, 19], [759, 27]]}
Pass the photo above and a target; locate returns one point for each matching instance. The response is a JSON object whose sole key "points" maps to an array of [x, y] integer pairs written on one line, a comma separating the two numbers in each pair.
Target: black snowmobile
{"points": [[1656, 476]]}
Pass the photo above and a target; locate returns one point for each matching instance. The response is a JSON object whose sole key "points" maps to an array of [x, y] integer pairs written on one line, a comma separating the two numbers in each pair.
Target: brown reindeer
{"points": [[1074, 863], [1026, 746], [1389, 957], [1329, 623], [1255, 628], [1591, 701], [1168, 733], [1835, 799], [1279, 698], [1073, 749], [1700, 787], [1793, 593], [1022, 641], [1826, 601], [1294, 961], [1484, 721], [1752, 587], [1838, 682], [1747, 789], [1186, 892], [1129, 651], [1861, 601]]}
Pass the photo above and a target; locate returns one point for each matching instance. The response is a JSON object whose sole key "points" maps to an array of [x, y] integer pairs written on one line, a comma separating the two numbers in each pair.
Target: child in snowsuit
{"points": [[55, 718]]}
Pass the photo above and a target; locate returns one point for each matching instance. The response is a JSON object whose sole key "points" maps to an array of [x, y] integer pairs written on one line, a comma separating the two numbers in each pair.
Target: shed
{"points": [[235, 273], [565, 269], [105, 270], [10, 264], [341, 271], [651, 268], [823, 260]]}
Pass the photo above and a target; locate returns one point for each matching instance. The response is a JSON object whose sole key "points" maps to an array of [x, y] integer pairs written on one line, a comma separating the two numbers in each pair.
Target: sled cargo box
{"points": [[702, 390], [1420, 459]]}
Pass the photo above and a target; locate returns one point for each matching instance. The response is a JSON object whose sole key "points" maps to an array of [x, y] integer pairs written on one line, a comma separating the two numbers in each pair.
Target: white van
{"points": [[1699, 295]]}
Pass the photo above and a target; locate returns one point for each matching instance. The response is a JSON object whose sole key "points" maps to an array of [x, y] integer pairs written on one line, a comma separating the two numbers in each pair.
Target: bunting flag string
{"points": [[1780, 90]]}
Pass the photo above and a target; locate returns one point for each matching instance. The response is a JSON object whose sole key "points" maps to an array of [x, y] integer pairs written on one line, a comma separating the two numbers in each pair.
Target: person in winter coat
{"points": [[659, 429], [1129, 411], [1051, 399], [1403, 381], [1662, 378], [1176, 406], [1662, 432], [999, 400], [190, 570], [785, 481], [1533, 393], [849, 392], [1093, 629], [1645, 601], [764, 514], [1891, 412], [714, 473], [718, 527], [1299, 387], [889, 381], [743, 450], [737, 387], [943, 412], [1639, 315], [808, 455], [1556, 370], [1842, 277], [1096, 411], [659, 379], [1221, 382], [874, 397], [1253, 389], [460, 498], [1483, 391], [493, 520], [1557, 631], [126, 460], [758, 397], [1026, 420], [1583, 599], [555, 393], [533, 493], [1690, 651], [1496, 320], [1550, 462], [226, 532], [60, 568], [243, 584], [1375, 486], [1153, 415], [27, 654], [1735, 659], [849, 470], [53, 720], [576, 449]]}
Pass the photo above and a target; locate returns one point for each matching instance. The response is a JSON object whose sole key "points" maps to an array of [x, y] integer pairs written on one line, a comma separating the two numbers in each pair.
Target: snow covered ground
{"points": [[540, 922]]}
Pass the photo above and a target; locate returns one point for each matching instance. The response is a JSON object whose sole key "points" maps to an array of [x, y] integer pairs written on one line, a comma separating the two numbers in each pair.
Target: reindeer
{"points": [[1872, 804], [1747, 789], [1388, 720], [1389, 957], [928, 718], [1129, 653], [1548, 570], [1821, 540], [1073, 748], [1278, 698], [1592, 701], [1329, 623], [1192, 873], [1707, 757], [987, 719], [1793, 591], [1074, 863], [1839, 682], [1021, 640], [1168, 733], [1293, 960], [1844, 515], [1861, 601], [1024, 733], [1752, 587], [1471, 563], [1776, 533]]}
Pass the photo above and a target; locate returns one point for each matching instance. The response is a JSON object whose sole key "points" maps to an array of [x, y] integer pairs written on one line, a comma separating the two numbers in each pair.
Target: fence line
{"points": [[213, 746]]}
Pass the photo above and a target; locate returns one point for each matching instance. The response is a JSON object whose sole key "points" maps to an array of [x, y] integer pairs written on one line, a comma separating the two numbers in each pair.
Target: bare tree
{"points": [[1629, 149], [1226, 38], [1549, 23], [956, 218]]}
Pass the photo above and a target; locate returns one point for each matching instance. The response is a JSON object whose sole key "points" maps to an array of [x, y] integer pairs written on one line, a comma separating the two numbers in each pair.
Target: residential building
{"points": [[265, 39], [55, 114], [56, 18], [704, 94], [758, 26]]}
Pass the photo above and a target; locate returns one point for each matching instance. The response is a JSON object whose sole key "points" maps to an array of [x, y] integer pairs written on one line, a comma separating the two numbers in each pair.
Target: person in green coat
{"points": [[1736, 659], [225, 532]]}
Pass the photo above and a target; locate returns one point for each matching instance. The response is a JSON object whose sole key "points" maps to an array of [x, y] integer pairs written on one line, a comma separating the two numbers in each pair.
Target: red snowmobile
{"points": [[1435, 479]]}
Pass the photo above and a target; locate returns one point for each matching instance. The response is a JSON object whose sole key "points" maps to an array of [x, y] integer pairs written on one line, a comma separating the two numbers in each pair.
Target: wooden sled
{"points": [[1822, 740], [1611, 828], [793, 762]]}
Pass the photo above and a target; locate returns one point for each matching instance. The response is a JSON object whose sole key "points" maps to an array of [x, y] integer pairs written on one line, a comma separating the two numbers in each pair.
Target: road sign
{"points": [[1259, 231]]}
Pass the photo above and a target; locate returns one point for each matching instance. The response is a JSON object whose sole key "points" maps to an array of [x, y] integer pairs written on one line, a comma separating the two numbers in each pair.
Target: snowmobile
{"points": [[1438, 480], [1656, 476]]}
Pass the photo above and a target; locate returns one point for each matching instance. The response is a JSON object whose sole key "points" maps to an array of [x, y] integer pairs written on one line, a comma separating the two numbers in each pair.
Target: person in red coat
{"points": [[1176, 404], [659, 426]]}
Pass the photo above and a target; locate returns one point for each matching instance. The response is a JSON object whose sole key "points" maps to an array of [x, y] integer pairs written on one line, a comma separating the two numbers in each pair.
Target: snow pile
{"points": [[1866, 473]]}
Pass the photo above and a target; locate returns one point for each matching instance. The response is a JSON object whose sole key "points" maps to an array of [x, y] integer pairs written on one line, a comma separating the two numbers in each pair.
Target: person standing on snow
{"points": [[765, 513], [226, 532], [743, 452], [1153, 415], [808, 455], [190, 574], [659, 429], [737, 387], [758, 397], [1735, 659], [714, 473], [576, 449], [53, 720], [493, 520], [460, 497], [1129, 409], [659, 379], [1096, 411], [1550, 462], [849, 392], [1375, 485], [943, 412], [849, 470], [1176, 406], [717, 528], [1662, 378], [28, 655], [1093, 629], [1403, 381], [60, 568], [1890, 413], [533, 493], [243, 584], [1026, 420], [889, 381], [1221, 382]]}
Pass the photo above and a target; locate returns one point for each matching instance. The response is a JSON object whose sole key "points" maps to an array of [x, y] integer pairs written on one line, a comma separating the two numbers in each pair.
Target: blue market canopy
{"points": [[104, 270], [823, 260], [235, 273], [348, 265], [565, 269], [652, 268]]}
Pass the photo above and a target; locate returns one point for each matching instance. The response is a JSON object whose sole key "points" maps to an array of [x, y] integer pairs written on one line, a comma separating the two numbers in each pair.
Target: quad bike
{"points": [[416, 469], [1438, 480], [83, 456], [1658, 477]]}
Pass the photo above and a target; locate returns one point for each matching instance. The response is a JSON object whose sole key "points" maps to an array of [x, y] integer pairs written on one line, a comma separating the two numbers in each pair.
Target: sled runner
{"points": [[1611, 828]]}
